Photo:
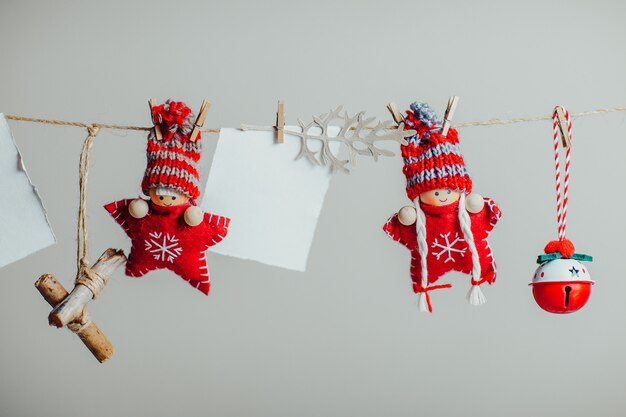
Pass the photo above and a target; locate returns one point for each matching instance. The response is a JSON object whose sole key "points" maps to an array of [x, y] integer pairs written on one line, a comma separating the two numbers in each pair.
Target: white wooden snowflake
{"points": [[163, 247], [447, 247]]}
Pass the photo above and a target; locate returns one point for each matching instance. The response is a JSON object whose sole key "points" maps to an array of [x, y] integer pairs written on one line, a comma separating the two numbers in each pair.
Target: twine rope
{"points": [[85, 275], [82, 248], [493, 122], [91, 279], [87, 125], [489, 122]]}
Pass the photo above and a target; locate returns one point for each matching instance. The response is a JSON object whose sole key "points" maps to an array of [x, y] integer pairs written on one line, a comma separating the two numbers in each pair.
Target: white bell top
{"points": [[562, 270]]}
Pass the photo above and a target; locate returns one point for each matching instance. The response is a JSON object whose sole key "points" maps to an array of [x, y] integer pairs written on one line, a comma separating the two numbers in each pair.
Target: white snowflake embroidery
{"points": [[167, 249], [448, 247]]}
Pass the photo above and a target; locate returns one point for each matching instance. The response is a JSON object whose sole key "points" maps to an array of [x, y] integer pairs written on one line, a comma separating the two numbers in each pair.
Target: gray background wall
{"points": [[344, 338]]}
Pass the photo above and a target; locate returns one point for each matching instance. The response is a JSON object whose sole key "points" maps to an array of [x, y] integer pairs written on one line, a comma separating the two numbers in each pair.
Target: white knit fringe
{"points": [[466, 228], [422, 245], [422, 303], [475, 296]]}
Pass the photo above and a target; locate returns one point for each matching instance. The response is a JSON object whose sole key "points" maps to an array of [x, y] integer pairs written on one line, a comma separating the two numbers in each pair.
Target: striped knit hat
{"points": [[172, 161], [432, 160]]}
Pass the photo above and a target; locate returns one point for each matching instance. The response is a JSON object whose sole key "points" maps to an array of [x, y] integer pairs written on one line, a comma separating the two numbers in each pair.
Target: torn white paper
{"points": [[24, 227], [273, 201]]}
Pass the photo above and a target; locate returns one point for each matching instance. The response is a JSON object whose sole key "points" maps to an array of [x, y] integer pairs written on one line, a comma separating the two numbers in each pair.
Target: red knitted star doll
{"points": [[446, 229], [169, 230]]}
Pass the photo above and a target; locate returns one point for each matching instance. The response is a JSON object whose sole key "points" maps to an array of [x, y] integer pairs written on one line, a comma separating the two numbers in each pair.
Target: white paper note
{"points": [[24, 227], [273, 201]]}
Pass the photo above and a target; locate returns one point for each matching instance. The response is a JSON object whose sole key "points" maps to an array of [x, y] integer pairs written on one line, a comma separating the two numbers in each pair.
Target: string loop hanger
{"points": [[82, 247], [562, 129]]}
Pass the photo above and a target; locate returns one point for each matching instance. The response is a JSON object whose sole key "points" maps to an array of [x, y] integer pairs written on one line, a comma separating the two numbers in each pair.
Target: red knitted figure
{"points": [[169, 230], [447, 228]]}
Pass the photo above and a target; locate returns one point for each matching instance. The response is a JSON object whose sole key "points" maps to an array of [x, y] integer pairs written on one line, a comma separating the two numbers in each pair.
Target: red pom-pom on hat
{"points": [[175, 118], [564, 247]]}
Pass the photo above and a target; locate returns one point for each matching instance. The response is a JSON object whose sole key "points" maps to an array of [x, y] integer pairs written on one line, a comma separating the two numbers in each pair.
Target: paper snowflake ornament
{"points": [[358, 133]]}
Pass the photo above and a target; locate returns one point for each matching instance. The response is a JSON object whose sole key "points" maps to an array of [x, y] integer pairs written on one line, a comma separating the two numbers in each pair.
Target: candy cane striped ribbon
{"points": [[561, 202]]}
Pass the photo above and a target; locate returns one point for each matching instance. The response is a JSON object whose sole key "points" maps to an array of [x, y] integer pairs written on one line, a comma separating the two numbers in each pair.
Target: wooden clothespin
{"points": [[280, 122], [157, 126], [395, 113], [452, 102], [563, 127], [204, 109]]}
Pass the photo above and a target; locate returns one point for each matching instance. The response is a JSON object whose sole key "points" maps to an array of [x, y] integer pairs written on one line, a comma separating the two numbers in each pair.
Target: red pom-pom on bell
{"points": [[564, 247]]}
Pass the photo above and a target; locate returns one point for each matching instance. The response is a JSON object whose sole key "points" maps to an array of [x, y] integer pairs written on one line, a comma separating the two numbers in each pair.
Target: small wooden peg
{"points": [[395, 113], [157, 127], [280, 122], [452, 102], [204, 109], [563, 127]]}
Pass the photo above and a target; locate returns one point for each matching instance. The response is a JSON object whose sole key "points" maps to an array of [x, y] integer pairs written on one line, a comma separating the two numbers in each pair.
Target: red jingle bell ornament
{"points": [[561, 284]]}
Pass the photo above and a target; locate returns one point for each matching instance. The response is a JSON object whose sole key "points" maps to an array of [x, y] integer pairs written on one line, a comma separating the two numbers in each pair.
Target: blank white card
{"points": [[273, 201], [24, 227]]}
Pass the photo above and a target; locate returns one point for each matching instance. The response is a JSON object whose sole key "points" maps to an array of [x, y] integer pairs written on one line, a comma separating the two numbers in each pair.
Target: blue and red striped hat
{"points": [[431, 160]]}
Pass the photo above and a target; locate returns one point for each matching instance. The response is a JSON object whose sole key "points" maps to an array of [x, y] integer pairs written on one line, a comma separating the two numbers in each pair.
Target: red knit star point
{"points": [[162, 240], [448, 250]]}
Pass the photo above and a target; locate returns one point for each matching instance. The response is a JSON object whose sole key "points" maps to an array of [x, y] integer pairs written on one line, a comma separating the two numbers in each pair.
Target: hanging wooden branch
{"points": [[70, 309], [87, 331], [358, 133]]}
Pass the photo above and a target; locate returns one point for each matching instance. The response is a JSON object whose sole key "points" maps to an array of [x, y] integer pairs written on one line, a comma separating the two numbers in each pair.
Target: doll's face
{"points": [[167, 200], [439, 197]]}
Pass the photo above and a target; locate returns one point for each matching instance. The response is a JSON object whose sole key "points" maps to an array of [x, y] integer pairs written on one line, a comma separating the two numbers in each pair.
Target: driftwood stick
{"points": [[72, 306], [54, 292]]}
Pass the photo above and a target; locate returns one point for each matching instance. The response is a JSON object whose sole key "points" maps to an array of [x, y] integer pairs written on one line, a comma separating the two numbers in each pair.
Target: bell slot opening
{"points": [[568, 289]]}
